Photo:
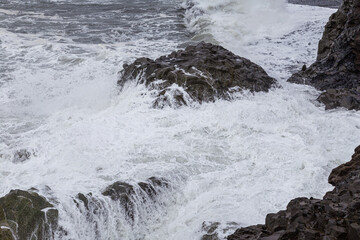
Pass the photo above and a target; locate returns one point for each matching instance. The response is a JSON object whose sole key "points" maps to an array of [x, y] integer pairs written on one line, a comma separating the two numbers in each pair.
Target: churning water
{"points": [[229, 162]]}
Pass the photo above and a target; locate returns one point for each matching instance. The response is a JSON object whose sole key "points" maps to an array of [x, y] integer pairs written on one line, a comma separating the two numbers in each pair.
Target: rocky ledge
{"points": [[199, 73], [337, 68], [26, 215], [336, 216]]}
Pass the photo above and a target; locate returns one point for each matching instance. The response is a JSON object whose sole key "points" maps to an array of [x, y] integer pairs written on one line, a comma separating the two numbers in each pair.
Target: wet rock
{"points": [[346, 172], [346, 98], [250, 233], [338, 61], [336, 216], [21, 155], [320, 3], [125, 193], [210, 231], [201, 73], [6, 234], [27, 215]]}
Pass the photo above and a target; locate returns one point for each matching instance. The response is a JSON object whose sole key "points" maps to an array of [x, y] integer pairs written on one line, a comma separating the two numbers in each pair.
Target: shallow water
{"points": [[226, 161]]}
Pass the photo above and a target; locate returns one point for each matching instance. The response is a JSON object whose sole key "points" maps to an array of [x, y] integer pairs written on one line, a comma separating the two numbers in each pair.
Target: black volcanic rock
{"points": [[26, 215], [336, 216], [338, 61], [205, 72]]}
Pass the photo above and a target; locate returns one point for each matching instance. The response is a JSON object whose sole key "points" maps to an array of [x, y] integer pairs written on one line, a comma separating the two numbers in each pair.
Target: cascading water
{"points": [[228, 161]]}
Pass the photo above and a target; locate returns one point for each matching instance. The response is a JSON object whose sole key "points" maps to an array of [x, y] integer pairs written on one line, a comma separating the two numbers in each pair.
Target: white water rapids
{"points": [[228, 161]]}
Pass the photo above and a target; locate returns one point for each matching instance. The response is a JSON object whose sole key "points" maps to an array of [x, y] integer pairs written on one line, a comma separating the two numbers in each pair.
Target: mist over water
{"points": [[228, 161]]}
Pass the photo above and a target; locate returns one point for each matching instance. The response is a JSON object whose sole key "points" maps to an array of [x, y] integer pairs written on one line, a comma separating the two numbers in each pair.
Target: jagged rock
{"points": [[336, 216], [28, 215], [204, 72], [124, 193], [338, 61], [345, 172]]}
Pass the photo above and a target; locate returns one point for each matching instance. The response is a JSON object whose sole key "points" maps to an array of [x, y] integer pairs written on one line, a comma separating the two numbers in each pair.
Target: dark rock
{"points": [[336, 216], [249, 233], [21, 155], [320, 3], [347, 98], [210, 231], [338, 61], [204, 72], [6, 234], [124, 193], [28, 215], [347, 171]]}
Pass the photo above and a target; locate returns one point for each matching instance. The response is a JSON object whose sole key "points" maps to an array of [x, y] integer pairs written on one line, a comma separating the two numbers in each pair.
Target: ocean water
{"points": [[230, 161]]}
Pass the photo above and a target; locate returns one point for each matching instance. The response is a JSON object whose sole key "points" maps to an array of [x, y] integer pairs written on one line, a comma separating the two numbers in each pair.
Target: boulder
{"points": [[26, 215], [336, 216], [201, 73], [337, 67]]}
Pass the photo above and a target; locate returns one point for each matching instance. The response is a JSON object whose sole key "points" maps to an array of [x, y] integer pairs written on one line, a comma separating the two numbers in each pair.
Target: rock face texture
{"points": [[336, 216], [337, 68], [26, 215], [199, 73]]}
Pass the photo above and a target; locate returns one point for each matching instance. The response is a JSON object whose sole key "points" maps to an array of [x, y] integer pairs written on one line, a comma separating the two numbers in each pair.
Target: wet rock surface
{"points": [[200, 73], [336, 216], [124, 193], [347, 98], [26, 215], [320, 3], [338, 61]]}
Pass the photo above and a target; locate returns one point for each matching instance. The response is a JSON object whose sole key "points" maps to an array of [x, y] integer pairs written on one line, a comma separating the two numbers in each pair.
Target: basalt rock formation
{"points": [[26, 215], [337, 68], [336, 216], [199, 73]]}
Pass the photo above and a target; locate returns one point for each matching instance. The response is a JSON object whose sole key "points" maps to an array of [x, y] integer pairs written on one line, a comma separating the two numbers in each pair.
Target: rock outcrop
{"points": [[199, 73], [337, 68], [124, 193], [336, 216], [26, 215]]}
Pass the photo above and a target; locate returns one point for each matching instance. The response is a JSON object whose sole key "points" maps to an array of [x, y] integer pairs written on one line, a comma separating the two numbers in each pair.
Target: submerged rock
{"points": [[210, 231], [26, 215], [338, 61], [199, 73], [336, 216]]}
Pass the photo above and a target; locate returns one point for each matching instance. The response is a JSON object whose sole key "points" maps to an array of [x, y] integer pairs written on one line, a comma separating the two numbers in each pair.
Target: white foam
{"points": [[228, 160]]}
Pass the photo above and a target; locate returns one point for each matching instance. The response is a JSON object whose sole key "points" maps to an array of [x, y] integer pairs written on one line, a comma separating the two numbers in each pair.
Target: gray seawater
{"points": [[72, 23]]}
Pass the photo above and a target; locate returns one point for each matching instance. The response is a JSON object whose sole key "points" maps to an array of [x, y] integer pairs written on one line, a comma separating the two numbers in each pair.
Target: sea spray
{"points": [[228, 161]]}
